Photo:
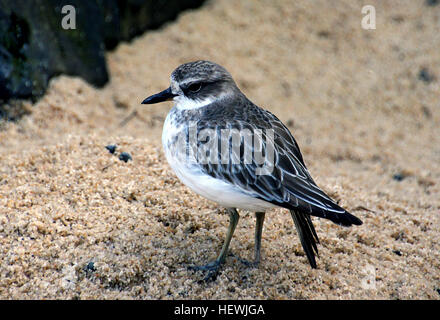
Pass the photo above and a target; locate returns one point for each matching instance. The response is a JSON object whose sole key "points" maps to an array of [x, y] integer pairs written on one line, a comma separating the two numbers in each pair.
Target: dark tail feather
{"points": [[307, 235], [345, 218], [335, 213]]}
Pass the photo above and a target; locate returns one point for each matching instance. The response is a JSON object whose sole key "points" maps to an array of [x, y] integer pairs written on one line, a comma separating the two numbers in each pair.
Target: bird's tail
{"points": [[307, 235]]}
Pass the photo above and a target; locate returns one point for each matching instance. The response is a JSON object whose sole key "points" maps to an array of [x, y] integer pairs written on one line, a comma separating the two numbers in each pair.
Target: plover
{"points": [[208, 100]]}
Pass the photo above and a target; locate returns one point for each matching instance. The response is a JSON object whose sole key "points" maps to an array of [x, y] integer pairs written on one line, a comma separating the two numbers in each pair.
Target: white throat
{"points": [[184, 103]]}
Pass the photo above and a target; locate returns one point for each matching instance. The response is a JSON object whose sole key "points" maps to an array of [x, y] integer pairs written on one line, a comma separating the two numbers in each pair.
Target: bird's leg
{"points": [[213, 266], [258, 236], [233, 220]]}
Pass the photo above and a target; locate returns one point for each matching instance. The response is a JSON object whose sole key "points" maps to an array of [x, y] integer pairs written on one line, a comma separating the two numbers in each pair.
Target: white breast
{"points": [[216, 190]]}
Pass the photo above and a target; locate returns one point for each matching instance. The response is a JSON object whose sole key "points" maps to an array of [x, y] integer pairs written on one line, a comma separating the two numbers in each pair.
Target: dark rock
{"points": [[427, 112], [432, 2], [111, 148], [425, 75], [136, 16], [124, 156], [398, 18], [398, 252], [90, 267], [35, 47], [399, 177], [324, 34]]}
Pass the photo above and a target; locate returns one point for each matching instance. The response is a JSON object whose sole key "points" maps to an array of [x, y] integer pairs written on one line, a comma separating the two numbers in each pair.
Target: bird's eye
{"points": [[195, 87]]}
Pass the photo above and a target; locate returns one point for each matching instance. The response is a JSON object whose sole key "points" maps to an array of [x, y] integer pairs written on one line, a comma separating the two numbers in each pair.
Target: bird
{"points": [[210, 141]]}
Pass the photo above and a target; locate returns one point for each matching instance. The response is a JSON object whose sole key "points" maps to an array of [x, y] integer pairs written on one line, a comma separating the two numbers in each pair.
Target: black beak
{"points": [[165, 95]]}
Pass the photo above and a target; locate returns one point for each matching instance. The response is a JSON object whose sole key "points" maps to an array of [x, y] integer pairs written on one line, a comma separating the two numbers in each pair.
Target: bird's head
{"points": [[195, 84]]}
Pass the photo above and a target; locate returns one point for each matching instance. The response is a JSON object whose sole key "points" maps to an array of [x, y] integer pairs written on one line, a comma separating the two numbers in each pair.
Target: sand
{"points": [[78, 223]]}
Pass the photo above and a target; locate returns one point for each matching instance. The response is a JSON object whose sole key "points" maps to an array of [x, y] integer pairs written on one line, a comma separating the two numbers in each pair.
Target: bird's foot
{"points": [[247, 263], [211, 269]]}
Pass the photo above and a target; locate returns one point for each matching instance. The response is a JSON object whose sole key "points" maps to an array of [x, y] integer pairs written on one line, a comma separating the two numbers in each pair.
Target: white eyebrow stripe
{"points": [[192, 80]]}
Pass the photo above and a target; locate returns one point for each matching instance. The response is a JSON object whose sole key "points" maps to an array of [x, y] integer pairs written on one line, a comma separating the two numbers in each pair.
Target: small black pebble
{"points": [[438, 291], [397, 252], [90, 266], [425, 76], [398, 177], [124, 156], [324, 34], [111, 148], [432, 2], [427, 112]]}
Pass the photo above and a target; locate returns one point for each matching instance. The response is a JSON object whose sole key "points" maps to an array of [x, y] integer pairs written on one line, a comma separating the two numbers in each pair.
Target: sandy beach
{"points": [[76, 222]]}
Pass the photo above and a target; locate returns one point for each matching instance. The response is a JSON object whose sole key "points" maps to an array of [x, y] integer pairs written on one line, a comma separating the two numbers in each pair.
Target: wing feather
{"points": [[289, 184]]}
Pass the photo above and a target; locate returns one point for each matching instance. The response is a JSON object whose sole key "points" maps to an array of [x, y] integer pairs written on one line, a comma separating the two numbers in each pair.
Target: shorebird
{"points": [[209, 103]]}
